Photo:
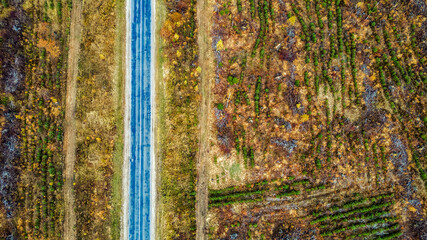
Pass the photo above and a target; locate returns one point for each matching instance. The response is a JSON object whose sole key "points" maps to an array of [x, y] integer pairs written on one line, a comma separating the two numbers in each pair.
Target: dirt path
{"points": [[204, 17], [70, 124]]}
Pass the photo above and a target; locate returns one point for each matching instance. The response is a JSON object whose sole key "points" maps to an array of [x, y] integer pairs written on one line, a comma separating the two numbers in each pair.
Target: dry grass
{"points": [[100, 121]]}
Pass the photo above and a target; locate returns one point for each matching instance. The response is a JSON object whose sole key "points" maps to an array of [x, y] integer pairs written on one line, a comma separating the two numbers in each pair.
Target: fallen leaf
{"points": [[304, 118], [219, 45], [291, 20]]}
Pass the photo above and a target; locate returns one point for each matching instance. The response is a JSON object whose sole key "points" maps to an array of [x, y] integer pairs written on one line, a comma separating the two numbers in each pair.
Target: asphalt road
{"points": [[140, 120]]}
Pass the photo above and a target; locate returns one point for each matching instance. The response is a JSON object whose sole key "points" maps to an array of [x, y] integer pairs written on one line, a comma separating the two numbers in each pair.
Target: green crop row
{"points": [[316, 84], [219, 204], [283, 187], [420, 168], [330, 18], [257, 95], [219, 191], [370, 216], [361, 210], [339, 27], [341, 215], [319, 187], [375, 231], [235, 195], [358, 225], [301, 20], [393, 73], [301, 182], [353, 66], [239, 6], [381, 196], [390, 236], [394, 59], [288, 194], [233, 188], [319, 16], [318, 163], [262, 183], [352, 204], [252, 10], [306, 79], [252, 156], [264, 9]]}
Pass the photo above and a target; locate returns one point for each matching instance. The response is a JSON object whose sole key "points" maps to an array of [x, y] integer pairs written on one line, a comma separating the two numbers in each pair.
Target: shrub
{"points": [[318, 164], [232, 80], [220, 106]]}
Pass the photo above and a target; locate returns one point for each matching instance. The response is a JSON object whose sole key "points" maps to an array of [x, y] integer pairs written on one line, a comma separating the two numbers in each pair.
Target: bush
{"points": [[232, 80], [318, 164], [220, 106]]}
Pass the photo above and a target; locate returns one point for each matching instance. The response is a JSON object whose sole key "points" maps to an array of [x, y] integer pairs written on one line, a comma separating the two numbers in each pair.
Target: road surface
{"points": [[139, 125]]}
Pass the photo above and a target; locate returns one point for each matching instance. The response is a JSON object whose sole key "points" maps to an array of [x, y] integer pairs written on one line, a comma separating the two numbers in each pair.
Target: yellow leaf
{"points": [[199, 69], [219, 45], [101, 56], [359, 4], [291, 20], [412, 209], [304, 118], [298, 105], [178, 53], [175, 37]]}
